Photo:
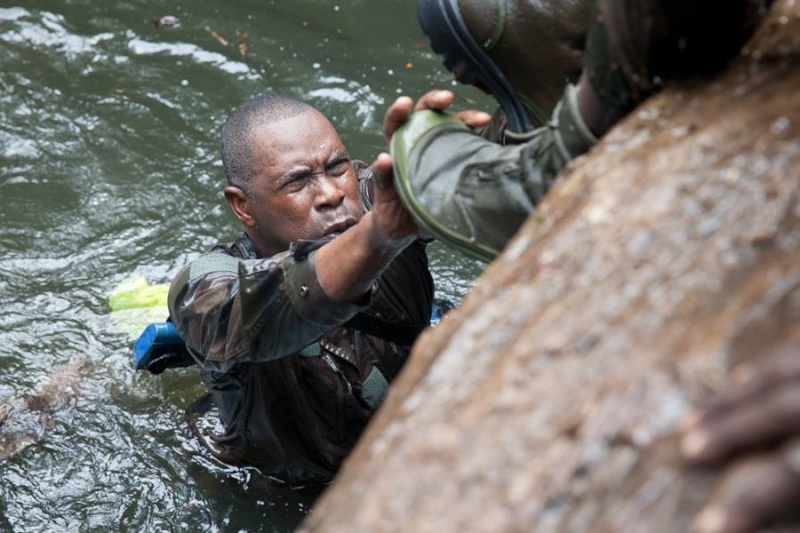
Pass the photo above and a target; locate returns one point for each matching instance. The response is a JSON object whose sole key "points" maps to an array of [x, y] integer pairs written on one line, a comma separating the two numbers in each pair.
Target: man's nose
{"points": [[329, 192]]}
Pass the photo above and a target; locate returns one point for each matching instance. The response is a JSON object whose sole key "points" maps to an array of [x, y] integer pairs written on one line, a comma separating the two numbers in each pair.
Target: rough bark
{"points": [[550, 399]]}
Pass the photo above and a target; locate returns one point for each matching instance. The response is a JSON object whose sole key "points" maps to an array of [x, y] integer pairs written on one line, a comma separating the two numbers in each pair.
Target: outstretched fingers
{"points": [[382, 171], [395, 225], [401, 109], [440, 100], [474, 118], [436, 100], [396, 116]]}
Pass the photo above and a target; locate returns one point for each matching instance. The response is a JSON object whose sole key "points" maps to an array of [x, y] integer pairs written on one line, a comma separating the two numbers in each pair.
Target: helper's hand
{"points": [[753, 431], [437, 100]]}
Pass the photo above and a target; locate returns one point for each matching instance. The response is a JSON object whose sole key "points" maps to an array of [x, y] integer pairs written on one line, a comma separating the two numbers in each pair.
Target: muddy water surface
{"points": [[108, 170]]}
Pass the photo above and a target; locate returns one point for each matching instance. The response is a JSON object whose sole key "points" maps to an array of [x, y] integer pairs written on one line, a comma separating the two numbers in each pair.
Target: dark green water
{"points": [[109, 169]]}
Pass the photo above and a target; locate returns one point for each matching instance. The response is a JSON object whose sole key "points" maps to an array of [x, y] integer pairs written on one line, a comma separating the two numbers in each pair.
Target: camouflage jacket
{"points": [[295, 375], [472, 193]]}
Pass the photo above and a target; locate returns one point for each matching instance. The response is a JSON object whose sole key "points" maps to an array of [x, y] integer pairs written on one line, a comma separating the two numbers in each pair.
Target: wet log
{"points": [[550, 400]]}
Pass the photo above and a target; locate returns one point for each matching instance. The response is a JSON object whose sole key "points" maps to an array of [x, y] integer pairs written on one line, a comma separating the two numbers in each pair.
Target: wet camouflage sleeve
{"points": [[222, 304], [473, 193]]}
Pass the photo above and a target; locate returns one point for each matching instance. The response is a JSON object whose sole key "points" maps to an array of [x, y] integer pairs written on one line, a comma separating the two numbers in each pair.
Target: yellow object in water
{"points": [[135, 293], [135, 303]]}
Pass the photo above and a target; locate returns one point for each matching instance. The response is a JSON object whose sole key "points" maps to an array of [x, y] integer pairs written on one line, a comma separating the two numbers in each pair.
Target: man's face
{"points": [[304, 184]]}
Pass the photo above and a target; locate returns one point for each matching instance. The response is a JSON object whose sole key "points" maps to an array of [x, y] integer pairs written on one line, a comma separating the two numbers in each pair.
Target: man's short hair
{"points": [[235, 142]]}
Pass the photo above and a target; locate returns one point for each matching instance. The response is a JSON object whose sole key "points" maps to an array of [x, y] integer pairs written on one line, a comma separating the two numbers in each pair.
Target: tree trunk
{"points": [[550, 399]]}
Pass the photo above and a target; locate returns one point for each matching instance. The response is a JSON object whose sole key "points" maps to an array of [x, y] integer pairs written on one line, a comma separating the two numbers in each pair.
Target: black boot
{"points": [[522, 52]]}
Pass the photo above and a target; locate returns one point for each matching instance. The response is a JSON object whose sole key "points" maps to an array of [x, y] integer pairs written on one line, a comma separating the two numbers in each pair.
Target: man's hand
{"points": [[437, 100], [393, 225], [753, 429], [349, 264]]}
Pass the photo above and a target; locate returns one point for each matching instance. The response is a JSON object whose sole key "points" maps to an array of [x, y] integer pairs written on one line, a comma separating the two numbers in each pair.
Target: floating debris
{"points": [[241, 45], [135, 303], [27, 418], [167, 20], [219, 38], [5, 410]]}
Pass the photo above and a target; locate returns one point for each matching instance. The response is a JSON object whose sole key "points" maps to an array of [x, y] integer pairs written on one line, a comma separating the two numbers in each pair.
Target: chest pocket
{"points": [[372, 390]]}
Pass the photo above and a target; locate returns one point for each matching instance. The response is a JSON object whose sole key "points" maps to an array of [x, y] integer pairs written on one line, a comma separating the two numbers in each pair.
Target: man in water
{"points": [[303, 320]]}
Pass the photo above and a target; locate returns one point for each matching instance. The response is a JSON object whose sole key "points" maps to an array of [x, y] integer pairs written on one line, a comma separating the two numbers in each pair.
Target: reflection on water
{"points": [[108, 169]]}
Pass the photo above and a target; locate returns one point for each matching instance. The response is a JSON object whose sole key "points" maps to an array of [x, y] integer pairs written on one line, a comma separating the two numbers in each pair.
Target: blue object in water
{"points": [[159, 347], [440, 308], [436, 315]]}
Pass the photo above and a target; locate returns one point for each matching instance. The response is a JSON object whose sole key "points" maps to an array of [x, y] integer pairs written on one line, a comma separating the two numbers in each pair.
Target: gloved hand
{"points": [[634, 47]]}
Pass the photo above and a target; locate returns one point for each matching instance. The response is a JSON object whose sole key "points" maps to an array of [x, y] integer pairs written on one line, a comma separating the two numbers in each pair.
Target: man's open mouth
{"points": [[337, 229]]}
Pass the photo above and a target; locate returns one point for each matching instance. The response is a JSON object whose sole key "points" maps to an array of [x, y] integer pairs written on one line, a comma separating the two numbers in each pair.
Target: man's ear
{"points": [[241, 205]]}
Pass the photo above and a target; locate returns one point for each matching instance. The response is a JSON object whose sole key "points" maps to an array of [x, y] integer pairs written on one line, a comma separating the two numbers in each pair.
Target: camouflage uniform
{"points": [[295, 375], [473, 193]]}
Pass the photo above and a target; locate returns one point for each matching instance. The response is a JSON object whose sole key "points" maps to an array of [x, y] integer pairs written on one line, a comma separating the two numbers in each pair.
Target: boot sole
{"points": [[441, 21]]}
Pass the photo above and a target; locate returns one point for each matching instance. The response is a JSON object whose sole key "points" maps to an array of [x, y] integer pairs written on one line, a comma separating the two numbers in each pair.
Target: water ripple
{"points": [[140, 47]]}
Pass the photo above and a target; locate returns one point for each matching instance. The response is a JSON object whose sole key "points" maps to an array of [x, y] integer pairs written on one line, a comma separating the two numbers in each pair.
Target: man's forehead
{"points": [[295, 129], [307, 138], [308, 118]]}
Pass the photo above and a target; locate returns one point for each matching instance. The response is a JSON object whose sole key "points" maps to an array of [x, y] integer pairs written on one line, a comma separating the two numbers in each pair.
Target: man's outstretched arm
{"points": [[221, 303], [349, 265]]}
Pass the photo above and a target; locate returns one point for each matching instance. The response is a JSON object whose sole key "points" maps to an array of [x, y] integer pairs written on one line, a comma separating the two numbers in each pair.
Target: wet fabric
{"points": [[472, 193], [294, 384]]}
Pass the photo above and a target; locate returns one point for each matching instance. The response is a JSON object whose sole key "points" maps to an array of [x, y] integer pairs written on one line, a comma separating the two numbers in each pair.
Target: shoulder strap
{"points": [[212, 262], [402, 334]]}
